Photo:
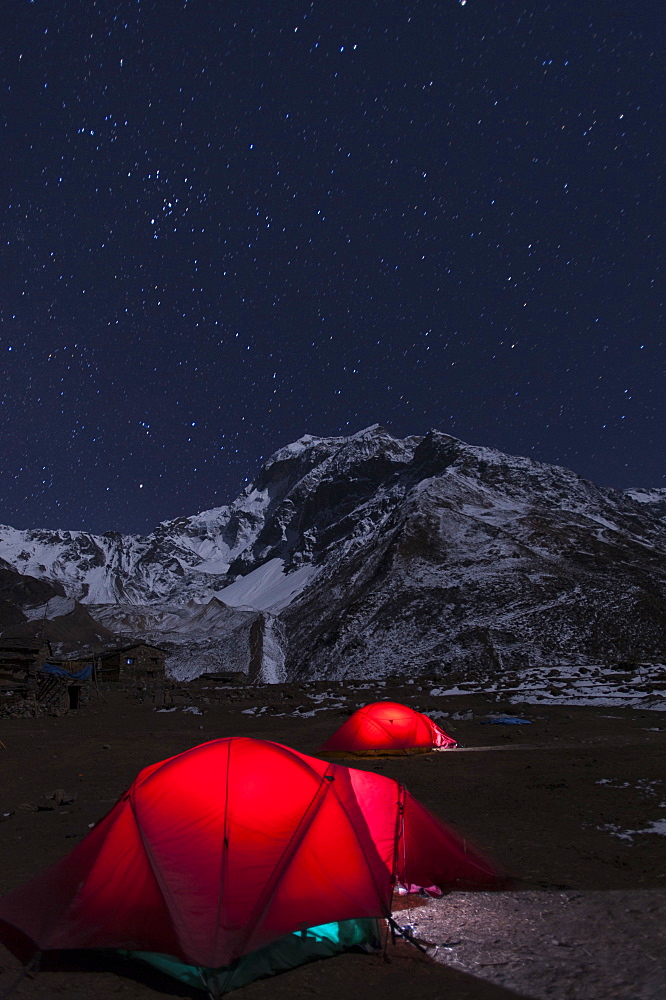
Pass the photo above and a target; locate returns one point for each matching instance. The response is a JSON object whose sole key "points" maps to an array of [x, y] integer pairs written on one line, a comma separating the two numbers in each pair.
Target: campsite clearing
{"points": [[575, 813]]}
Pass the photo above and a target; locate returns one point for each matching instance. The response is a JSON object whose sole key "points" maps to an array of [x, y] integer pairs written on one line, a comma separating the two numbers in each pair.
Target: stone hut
{"points": [[20, 661], [31, 681], [137, 662]]}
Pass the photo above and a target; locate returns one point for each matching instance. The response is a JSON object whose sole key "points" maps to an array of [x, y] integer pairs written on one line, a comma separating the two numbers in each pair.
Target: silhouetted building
{"points": [[21, 659], [136, 662]]}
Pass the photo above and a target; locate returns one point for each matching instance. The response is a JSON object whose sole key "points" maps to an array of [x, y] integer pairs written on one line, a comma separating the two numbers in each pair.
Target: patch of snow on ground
{"points": [[569, 684], [446, 692], [658, 827], [298, 714], [654, 705], [644, 785]]}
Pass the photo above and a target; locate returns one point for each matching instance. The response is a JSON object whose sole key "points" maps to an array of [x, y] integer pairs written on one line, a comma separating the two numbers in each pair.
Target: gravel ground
{"points": [[573, 945]]}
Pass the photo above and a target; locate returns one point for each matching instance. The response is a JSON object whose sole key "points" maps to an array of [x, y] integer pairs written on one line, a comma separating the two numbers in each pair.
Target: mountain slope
{"points": [[369, 554], [490, 566], [193, 558]]}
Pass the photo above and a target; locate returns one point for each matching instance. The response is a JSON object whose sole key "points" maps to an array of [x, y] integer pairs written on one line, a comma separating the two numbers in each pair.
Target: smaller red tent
{"points": [[386, 727]]}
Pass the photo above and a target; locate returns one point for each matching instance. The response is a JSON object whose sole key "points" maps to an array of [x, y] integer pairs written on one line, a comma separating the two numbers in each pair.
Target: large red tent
{"points": [[227, 847], [387, 727]]}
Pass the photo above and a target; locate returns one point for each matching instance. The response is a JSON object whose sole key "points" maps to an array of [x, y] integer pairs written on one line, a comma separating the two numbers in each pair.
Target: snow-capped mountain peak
{"points": [[362, 547]]}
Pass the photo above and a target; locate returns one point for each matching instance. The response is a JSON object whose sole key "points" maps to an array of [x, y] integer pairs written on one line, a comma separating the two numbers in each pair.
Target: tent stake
{"points": [[406, 935], [27, 970], [206, 985]]}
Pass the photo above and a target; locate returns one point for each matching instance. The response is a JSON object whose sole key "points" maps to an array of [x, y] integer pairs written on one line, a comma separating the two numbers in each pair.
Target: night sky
{"points": [[226, 224]]}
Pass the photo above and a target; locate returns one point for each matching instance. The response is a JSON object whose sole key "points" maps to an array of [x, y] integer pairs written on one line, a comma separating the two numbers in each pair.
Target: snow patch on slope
{"points": [[273, 660], [54, 608], [267, 587]]}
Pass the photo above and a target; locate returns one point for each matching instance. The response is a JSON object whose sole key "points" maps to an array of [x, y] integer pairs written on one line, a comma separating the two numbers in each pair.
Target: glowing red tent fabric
{"points": [[387, 727], [229, 846]]}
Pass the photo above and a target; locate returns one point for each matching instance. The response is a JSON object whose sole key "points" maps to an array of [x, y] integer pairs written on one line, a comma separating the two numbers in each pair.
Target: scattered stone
{"points": [[59, 797]]}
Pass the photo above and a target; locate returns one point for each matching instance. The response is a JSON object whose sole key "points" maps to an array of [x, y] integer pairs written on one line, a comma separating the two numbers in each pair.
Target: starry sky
{"points": [[227, 224]]}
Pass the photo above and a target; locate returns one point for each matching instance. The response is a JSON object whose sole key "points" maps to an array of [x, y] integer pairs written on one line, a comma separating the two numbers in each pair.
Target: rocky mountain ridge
{"points": [[369, 555]]}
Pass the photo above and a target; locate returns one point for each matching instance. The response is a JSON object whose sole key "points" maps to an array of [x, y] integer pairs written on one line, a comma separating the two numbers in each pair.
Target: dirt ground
{"points": [[572, 807]]}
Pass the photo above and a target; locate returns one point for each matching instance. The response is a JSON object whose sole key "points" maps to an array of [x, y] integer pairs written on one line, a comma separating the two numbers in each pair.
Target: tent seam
{"points": [[295, 841], [164, 887]]}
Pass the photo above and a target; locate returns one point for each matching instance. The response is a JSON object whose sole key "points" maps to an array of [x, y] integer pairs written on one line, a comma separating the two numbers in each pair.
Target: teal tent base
{"points": [[287, 952]]}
